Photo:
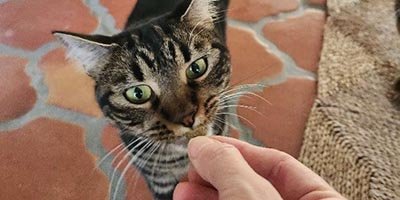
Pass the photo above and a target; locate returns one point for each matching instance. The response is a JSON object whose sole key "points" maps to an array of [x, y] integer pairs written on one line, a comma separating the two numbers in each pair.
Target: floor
{"points": [[52, 135]]}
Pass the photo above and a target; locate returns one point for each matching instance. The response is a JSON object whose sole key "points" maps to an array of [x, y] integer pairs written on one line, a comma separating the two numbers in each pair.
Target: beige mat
{"points": [[353, 134]]}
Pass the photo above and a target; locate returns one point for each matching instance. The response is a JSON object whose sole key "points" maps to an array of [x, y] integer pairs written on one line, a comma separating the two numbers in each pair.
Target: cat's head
{"points": [[163, 79]]}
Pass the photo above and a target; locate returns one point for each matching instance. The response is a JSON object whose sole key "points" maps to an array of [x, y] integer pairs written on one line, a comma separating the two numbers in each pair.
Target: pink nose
{"points": [[189, 119]]}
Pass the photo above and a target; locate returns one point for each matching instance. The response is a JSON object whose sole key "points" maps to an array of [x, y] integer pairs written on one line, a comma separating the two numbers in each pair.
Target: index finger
{"points": [[291, 178]]}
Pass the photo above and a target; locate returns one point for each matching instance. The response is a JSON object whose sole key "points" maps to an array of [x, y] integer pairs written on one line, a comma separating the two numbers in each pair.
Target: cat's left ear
{"points": [[200, 13], [91, 51]]}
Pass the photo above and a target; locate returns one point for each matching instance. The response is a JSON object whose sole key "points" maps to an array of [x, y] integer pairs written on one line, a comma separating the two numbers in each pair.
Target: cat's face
{"points": [[167, 87], [163, 80]]}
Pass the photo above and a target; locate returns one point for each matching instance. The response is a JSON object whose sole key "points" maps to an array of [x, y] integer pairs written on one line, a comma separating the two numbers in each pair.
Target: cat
{"points": [[163, 80]]}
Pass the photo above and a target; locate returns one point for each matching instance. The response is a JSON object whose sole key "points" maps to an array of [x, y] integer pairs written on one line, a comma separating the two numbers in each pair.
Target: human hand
{"points": [[228, 169]]}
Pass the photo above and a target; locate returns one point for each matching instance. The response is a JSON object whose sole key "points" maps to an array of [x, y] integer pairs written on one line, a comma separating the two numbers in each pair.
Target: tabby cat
{"points": [[161, 81]]}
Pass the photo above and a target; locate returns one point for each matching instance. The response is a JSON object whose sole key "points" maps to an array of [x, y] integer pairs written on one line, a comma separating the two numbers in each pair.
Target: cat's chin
{"points": [[181, 142]]}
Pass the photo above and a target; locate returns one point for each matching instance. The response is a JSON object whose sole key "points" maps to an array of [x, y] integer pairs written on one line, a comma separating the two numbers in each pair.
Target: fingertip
{"points": [[196, 144], [179, 192], [189, 191]]}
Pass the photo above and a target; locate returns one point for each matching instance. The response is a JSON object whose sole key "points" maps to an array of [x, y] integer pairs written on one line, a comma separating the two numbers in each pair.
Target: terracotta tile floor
{"points": [[51, 132]]}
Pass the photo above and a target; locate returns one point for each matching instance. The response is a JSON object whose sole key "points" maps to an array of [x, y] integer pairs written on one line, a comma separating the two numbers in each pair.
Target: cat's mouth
{"points": [[182, 135], [183, 140], [202, 130]]}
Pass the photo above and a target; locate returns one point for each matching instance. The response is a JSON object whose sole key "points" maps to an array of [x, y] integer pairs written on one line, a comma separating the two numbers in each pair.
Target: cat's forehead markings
{"points": [[148, 53]]}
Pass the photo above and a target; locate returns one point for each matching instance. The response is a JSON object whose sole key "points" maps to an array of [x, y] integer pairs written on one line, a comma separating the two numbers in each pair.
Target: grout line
{"points": [[313, 6], [289, 65], [36, 81], [15, 52], [107, 23]]}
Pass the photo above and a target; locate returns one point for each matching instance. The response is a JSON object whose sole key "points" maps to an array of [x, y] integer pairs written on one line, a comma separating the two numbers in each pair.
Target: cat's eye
{"points": [[197, 69], [139, 94]]}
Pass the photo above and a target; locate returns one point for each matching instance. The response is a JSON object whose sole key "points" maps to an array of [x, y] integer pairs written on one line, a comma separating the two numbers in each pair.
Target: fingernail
{"points": [[196, 144]]}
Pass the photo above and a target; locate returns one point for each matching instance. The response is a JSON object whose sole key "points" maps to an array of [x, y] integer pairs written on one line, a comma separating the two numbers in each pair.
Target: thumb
{"points": [[224, 167]]}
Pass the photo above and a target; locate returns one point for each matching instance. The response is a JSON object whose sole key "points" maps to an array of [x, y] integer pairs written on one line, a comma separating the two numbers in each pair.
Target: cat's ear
{"points": [[91, 51], [200, 13]]}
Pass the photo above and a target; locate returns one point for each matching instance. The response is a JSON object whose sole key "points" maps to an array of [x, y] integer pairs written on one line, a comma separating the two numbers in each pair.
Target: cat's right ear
{"points": [[92, 52]]}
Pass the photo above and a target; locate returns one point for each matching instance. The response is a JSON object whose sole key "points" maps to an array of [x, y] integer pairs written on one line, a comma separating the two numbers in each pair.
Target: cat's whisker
{"points": [[139, 165], [239, 116], [124, 149], [128, 146], [152, 150], [123, 159], [249, 85], [109, 154], [135, 156], [137, 176], [241, 87], [239, 93], [251, 108], [231, 98], [230, 92], [249, 94], [237, 106], [218, 119]]}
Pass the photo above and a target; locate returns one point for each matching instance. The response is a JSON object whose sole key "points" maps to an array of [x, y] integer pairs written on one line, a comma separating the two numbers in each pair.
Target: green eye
{"points": [[197, 69], [139, 94]]}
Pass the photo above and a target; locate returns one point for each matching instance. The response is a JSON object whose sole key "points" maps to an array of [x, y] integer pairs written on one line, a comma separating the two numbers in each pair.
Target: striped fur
{"points": [[156, 51]]}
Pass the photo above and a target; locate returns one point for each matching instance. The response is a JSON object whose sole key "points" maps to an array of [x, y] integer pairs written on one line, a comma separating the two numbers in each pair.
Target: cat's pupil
{"points": [[138, 93], [196, 68]]}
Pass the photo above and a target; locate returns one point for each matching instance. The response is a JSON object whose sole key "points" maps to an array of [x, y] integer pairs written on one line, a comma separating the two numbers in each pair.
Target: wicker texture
{"points": [[353, 134]]}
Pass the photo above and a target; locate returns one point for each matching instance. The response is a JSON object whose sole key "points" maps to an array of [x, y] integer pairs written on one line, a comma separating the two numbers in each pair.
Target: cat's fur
{"points": [[160, 41]]}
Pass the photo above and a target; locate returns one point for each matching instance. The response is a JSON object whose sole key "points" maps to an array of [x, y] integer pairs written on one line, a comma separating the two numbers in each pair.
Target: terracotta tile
{"points": [[69, 86], [120, 10], [254, 10], [47, 160], [28, 24], [136, 186], [282, 123], [317, 2], [300, 37], [17, 97], [251, 61]]}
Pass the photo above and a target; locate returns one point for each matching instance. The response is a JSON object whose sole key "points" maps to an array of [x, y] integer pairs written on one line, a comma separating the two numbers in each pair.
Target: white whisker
{"points": [[119, 181], [239, 116], [122, 160]]}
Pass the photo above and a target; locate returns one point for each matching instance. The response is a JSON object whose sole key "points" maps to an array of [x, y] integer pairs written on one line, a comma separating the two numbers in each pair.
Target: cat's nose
{"points": [[189, 119]]}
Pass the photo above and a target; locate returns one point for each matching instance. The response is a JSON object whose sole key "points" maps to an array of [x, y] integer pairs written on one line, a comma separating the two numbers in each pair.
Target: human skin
{"points": [[228, 169]]}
